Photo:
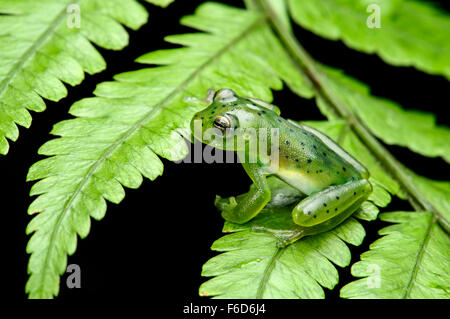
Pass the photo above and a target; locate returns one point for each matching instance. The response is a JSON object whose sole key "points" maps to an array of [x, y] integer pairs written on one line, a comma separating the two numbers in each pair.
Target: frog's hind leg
{"points": [[283, 194], [301, 231], [330, 202], [330, 207]]}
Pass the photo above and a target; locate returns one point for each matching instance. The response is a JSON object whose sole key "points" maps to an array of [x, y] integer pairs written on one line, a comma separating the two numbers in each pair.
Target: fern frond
{"points": [[438, 195], [424, 45], [387, 120], [252, 266], [395, 125], [412, 260], [42, 47], [117, 136], [161, 3]]}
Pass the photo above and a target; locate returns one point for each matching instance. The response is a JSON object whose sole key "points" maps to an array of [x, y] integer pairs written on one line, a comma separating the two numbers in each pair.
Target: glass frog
{"points": [[333, 183]]}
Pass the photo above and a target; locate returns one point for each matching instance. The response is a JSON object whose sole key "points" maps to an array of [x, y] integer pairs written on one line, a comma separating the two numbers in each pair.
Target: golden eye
{"points": [[221, 122]]}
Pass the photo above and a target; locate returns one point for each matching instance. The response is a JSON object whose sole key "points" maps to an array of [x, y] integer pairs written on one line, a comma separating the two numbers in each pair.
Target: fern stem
{"points": [[304, 61], [250, 4]]}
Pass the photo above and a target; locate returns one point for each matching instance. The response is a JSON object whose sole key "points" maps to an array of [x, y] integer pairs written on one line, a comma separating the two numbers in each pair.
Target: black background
{"points": [[155, 241]]}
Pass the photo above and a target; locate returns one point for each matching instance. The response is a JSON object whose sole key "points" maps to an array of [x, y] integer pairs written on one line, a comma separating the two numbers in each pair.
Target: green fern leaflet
{"points": [[47, 43], [118, 137]]}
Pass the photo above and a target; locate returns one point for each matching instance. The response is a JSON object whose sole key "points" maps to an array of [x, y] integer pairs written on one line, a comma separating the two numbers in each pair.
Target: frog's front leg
{"points": [[253, 202]]}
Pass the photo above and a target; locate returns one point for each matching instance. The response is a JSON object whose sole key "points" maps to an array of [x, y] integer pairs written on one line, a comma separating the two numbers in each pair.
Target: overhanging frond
{"points": [[47, 43], [398, 41]]}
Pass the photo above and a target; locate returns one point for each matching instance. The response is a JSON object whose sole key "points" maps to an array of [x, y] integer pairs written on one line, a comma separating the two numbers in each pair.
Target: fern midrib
{"points": [[267, 272], [132, 130], [43, 38], [418, 261], [303, 61]]}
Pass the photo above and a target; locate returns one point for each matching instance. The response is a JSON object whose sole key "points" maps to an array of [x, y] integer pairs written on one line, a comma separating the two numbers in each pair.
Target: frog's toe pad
{"points": [[217, 201], [225, 203]]}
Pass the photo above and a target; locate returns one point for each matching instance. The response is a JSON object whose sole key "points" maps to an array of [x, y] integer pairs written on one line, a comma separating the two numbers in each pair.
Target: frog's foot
{"points": [[225, 204], [285, 237]]}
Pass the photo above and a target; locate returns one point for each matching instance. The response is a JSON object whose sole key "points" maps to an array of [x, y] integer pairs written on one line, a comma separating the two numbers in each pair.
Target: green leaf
{"points": [[367, 211], [117, 136], [399, 41], [411, 261], [161, 3], [252, 266], [437, 193], [387, 120], [42, 47]]}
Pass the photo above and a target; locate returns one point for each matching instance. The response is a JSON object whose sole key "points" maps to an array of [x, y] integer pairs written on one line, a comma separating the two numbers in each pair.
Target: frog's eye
{"points": [[222, 122], [225, 95]]}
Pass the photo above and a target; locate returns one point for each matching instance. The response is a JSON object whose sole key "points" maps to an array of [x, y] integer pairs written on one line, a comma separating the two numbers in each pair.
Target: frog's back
{"points": [[308, 162]]}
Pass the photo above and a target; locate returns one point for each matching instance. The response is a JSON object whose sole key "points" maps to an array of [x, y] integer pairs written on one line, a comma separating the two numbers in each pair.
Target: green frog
{"points": [[334, 184]]}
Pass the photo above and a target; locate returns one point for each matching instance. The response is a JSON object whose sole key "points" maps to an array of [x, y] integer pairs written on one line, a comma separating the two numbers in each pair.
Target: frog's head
{"points": [[229, 116]]}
